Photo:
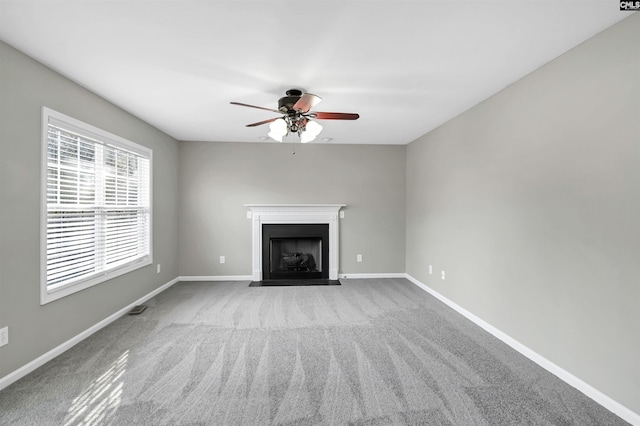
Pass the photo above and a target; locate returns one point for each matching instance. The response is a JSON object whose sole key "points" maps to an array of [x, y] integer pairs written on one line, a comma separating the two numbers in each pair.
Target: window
{"points": [[96, 215]]}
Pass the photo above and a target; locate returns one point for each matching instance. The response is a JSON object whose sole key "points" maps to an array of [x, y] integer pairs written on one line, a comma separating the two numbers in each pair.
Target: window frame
{"points": [[50, 294]]}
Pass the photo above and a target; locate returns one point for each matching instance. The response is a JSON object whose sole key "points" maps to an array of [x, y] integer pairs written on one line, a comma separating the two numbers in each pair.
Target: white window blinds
{"points": [[98, 212]]}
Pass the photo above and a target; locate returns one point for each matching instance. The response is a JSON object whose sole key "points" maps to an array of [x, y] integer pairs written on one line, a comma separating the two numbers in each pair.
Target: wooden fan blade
{"points": [[334, 115], [253, 106], [259, 123], [306, 102]]}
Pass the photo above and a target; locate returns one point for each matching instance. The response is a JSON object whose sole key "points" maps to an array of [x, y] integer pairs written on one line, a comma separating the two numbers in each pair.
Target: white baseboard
{"points": [[217, 278], [381, 275], [250, 277], [43, 359], [602, 399]]}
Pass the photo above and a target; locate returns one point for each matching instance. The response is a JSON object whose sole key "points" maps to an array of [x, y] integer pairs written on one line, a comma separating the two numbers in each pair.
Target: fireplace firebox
{"points": [[295, 251]]}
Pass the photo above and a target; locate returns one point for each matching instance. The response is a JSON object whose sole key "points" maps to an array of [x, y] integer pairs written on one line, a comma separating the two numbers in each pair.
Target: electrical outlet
{"points": [[249, 215], [359, 258], [341, 215], [222, 259], [430, 269], [4, 336], [158, 268], [442, 275]]}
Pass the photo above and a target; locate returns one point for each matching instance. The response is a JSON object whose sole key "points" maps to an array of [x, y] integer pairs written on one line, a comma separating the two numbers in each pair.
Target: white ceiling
{"points": [[405, 66]]}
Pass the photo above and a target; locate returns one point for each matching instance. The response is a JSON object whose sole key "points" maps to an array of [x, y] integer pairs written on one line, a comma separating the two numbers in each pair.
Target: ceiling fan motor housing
{"points": [[286, 103]]}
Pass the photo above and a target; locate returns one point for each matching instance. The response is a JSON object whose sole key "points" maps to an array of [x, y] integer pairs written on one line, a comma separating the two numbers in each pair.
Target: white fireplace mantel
{"points": [[294, 213]]}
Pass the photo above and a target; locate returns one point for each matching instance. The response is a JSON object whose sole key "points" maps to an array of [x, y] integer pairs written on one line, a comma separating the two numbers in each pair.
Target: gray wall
{"points": [[530, 202], [217, 179], [25, 86]]}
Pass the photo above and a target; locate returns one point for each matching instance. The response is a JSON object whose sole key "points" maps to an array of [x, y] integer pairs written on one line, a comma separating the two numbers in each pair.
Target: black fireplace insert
{"points": [[295, 251]]}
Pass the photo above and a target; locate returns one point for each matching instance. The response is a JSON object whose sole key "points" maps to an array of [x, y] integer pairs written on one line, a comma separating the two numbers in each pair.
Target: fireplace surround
{"points": [[294, 214]]}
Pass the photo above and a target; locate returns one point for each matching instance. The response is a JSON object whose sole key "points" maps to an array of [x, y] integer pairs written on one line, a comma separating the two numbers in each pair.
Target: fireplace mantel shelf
{"points": [[294, 213], [294, 207]]}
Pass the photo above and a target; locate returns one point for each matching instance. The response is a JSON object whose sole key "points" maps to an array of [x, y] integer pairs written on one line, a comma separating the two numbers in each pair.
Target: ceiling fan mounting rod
{"points": [[294, 92]]}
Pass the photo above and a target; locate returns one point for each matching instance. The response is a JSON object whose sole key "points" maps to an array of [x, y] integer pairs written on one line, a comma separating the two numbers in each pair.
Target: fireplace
{"points": [[292, 251], [295, 251]]}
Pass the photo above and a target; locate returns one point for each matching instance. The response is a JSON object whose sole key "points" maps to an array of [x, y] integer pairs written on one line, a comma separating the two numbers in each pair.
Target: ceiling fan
{"points": [[297, 117]]}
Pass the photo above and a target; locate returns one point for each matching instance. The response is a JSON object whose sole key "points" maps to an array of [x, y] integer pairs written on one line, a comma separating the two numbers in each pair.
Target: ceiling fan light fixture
{"points": [[279, 129], [312, 129], [306, 137], [275, 136]]}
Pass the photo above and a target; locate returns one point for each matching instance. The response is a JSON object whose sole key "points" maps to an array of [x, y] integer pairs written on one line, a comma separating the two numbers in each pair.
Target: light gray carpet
{"points": [[369, 352]]}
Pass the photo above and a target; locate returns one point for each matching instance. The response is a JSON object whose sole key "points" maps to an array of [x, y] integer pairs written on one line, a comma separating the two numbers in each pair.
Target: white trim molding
{"points": [[348, 276], [71, 282], [216, 278], [43, 359], [289, 214], [593, 393]]}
